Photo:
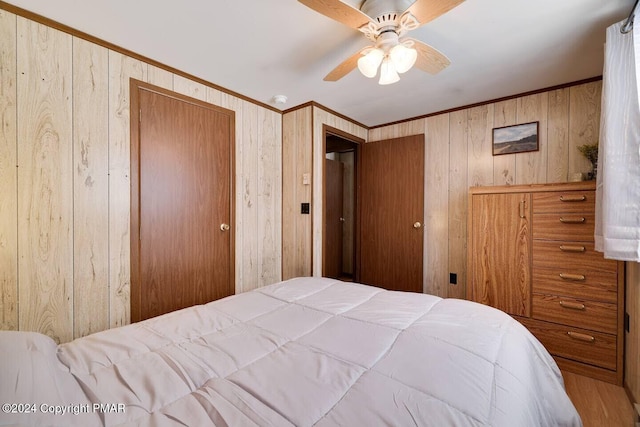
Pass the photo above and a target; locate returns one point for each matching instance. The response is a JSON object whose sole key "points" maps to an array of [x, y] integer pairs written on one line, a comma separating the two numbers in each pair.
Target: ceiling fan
{"points": [[385, 23]]}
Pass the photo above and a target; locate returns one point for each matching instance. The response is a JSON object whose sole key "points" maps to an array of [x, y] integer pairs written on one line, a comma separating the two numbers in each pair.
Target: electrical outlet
{"points": [[305, 208], [453, 278]]}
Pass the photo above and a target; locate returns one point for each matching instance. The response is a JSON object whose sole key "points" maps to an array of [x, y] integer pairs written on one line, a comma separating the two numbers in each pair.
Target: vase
{"points": [[594, 172]]}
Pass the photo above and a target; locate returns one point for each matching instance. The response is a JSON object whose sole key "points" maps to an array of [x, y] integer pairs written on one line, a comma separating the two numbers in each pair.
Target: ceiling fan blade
{"points": [[428, 10], [344, 68], [429, 59], [338, 11]]}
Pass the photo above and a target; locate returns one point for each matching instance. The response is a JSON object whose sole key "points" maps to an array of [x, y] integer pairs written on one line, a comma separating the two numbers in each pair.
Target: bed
{"points": [[307, 351]]}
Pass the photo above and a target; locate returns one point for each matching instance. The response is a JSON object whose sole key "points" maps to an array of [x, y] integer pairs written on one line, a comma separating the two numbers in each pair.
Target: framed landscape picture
{"points": [[515, 139]]}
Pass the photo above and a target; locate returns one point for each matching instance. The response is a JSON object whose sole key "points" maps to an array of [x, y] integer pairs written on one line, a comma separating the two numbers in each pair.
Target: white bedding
{"points": [[302, 352]]}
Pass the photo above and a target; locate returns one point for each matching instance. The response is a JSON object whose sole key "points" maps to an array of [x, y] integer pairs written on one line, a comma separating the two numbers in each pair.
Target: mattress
{"points": [[306, 351]]}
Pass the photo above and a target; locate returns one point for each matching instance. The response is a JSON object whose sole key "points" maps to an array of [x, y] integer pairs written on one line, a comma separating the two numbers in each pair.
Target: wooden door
{"points": [[500, 255], [182, 236], [333, 218], [392, 213]]}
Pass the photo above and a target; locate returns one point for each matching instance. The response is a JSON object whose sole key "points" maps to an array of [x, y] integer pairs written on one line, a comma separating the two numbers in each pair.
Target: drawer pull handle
{"points": [[572, 220], [570, 248], [568, 276], [564, 198], [572, 305], [581, 337]]}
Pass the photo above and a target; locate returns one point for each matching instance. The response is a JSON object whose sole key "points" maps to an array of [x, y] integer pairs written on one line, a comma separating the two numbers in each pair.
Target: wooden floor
{"points": [[599, 404]]}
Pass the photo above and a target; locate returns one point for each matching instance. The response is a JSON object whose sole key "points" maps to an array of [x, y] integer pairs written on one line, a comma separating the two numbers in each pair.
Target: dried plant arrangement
{"points": [[590, 152]]}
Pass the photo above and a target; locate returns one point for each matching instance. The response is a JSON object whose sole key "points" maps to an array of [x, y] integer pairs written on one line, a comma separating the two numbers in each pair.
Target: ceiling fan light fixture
{"points": [[403, 57], [388, 73], [385, 23], [368, 64]]}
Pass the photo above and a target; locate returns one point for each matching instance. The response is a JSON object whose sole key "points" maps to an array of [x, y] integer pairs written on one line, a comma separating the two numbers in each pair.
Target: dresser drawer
{"points": [[570, 255], [564, 201], [582, 345], [579, 313], [572, 226], [597, 285]]}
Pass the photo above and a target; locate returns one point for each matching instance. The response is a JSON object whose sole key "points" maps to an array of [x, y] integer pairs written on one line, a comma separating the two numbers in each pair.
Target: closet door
{"points": [[500, 253], [182, 235]]}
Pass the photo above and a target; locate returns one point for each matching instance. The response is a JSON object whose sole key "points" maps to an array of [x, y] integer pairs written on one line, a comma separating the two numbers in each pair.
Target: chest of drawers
{"points": [[574, 298]]}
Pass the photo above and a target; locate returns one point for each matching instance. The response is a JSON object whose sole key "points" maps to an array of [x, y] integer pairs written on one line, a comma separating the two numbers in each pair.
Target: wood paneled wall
{"points": [[297, 132], [459, 155], [8, 175], [65, 178]]}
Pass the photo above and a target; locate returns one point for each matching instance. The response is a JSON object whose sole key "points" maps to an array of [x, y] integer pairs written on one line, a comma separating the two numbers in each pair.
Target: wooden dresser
{"points": [[531, 254]]}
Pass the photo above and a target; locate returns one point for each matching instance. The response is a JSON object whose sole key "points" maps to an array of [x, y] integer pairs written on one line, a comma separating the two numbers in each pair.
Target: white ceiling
{"points": [[262, 48]]}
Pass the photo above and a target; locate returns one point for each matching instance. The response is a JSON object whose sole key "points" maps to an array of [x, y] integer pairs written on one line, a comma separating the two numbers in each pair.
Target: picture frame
{"points": [[513, 139]]}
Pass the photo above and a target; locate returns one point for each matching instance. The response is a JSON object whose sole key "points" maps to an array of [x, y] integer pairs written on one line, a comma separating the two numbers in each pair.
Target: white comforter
{"points": [[301, 352]]}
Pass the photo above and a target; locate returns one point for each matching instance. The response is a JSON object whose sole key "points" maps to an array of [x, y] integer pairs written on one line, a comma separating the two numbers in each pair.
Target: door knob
{"points": [[224, 227], [417, 224], [341, 219]]}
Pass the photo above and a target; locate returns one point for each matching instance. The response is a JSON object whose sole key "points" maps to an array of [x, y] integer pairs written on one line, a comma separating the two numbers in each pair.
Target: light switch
{"points": [[306, 179]]}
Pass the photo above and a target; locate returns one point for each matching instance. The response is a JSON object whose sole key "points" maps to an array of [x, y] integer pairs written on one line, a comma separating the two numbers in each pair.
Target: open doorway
{"points": [[340, 205]]}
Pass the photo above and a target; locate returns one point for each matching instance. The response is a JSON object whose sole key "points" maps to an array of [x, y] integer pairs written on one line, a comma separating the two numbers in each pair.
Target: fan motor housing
{"points": [[385, 12]]}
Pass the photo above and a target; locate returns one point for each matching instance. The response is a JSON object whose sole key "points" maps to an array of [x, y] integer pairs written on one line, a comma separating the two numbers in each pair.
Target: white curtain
{"points": [[618, 181]]}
